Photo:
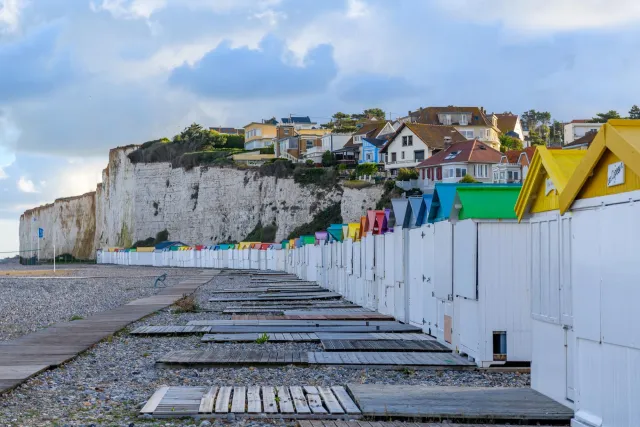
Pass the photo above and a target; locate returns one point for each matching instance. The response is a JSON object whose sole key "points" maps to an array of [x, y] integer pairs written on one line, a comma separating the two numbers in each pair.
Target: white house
{"points": [[413, 143], [510, 124], [579, 128]]}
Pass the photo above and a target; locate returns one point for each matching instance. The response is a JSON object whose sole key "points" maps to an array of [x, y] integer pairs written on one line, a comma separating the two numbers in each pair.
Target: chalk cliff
{"points": [[202, 205]]}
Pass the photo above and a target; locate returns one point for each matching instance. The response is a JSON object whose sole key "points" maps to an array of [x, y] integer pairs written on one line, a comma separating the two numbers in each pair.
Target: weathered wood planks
{"points": [[384, 345], [458, 403], [263, 402], [314, 337]]}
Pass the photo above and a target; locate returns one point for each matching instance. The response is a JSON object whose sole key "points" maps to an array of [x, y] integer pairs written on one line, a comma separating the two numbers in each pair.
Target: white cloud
{"points": [[356, 9], [26, 185], [3, 174], [10, 15], [136, 9], [546, 15]]}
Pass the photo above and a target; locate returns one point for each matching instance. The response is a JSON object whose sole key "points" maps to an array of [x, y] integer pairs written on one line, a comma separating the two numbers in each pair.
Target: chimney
{"points": [[447, 142]]}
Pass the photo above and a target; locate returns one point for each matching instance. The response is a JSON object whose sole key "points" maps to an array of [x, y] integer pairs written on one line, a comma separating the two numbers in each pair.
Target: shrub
{"points": [[262, 339], [162, 236], [262, 234], [321, 221], [406, 174], [280, 168], [309, 162], [267, 150], [357, 184], [342, 167], [366, 169], [315, 176], [328, 159], [468, 179], [235, 141]]}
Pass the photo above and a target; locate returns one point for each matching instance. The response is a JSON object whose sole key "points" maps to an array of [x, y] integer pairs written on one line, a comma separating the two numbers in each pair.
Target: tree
{"points": [[529, 119], [328, 159], [604, 117], [634, 112], [535, 138], [509, 143], [376, 113], [556, 136]]}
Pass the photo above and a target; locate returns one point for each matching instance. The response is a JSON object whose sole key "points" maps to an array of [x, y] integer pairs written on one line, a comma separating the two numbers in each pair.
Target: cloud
{"points": [[126, 9], [26, 185], [244, 73], [376, 88], [3, 174], [32, 66], [542, 16], [10, 15]]}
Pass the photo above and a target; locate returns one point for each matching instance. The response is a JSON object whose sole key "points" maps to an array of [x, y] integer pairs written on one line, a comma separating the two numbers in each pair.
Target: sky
{"points": [[78, 77]]}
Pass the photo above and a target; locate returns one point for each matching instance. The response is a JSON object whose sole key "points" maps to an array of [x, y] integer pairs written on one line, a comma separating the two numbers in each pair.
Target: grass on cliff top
{"points": [[357, 184], [321, 221], [262, 233]]}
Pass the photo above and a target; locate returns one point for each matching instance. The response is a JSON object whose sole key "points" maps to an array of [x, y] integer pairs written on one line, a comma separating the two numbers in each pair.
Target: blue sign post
{"points": [[40, 233]]}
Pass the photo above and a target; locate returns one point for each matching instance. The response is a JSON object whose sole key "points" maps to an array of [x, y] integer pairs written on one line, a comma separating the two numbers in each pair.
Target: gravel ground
{"points": [[29, 304], [107, 385]]}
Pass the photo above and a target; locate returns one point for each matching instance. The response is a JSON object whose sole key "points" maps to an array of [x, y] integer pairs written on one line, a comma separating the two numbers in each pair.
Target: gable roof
{"points": [[485, 202], [376, 142], [472, 151], [622, 138], [507, 122], [367, 130], [432, 135], [429, 115], [513, 156], [587, 139], [559, 165]]}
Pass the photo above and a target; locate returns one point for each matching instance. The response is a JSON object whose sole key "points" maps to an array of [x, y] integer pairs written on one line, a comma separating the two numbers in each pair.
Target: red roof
{"points": [[514, 155], [472, 151], [432, 135]]}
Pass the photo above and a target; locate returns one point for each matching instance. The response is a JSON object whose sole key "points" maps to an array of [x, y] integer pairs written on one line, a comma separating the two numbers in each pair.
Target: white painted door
{"points": [[415, 284], [465, 260], [569, 344], [379, 263], [399, 294], [429, 299], [387, 305], [443, 270]]}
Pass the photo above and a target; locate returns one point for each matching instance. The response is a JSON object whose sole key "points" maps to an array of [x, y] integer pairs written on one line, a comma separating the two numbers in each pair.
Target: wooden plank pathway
{"points": [[30, 354], [281, 297], [311, 336], [282, 308], [295, 323], [386, 345], [224, 358], [292, 402], [170, 330], [458, 403], [330, 423], [314, 316], [230, 329], [298, 289]]}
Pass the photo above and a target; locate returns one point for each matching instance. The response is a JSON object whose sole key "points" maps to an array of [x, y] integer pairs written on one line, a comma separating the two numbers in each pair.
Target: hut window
{"points": [[499, 345]]}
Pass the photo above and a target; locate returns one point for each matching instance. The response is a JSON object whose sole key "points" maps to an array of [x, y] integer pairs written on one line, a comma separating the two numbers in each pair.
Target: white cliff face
{"points": [[199, 206], [68, 223]]}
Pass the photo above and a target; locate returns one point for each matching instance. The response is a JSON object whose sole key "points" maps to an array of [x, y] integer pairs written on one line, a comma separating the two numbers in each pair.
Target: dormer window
{"points": [[452, 155], [447, 119], [463, 120]]}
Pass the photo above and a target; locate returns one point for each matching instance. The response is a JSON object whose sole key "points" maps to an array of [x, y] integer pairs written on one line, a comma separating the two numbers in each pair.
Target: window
{"points": [[447, 119], [502, 175], [467, 133], [410, 140], [402, 155], [516, 175], [449, 172], [286, 132], [418, 155], [481, 171], [495, 176], [383, 157], [452, 155], [509, 175], [463, 120], [309, 143], [488, 133], [356, 138], [460, 172], [369, 157], [404, 141], [393, 157]]}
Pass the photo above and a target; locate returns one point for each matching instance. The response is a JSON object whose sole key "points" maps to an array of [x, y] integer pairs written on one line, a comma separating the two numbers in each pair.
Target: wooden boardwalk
{"points": [[338, 423], [308, 337], [292, 402], [220, 358], [230, 329], [458, 403], [281, 297], [30, 354], [386, 345], [345, 316]]}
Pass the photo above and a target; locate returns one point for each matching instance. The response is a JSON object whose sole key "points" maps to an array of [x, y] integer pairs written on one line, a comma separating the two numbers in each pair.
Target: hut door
{"points": [[443, 260], [568, 346], [429, 309], [415, 285]]}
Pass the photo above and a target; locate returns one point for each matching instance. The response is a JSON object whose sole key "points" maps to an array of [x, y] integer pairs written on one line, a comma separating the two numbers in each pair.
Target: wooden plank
{"points": [[345, 400], [233, 329], [330, 401], [152, 403], [254, 404], [384, 345], [286, 404], [269, 400], [458, 403], [299, 401], [239, 400], [206, 404], [315, 404], [222, 402], [310, 389]]}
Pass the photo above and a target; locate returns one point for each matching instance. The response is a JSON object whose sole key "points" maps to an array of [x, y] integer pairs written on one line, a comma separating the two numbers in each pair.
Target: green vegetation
{"points": [[279, 168], [162, 236], [328, 159], [357, 184], [347, 123], [268, 150], [406, 174], [604, 117], [262, 234], [509, 143], [322, 177], [262, 339], [321, 221], [391, 191], [76, 317], [468, 179], [194, 146], [366, 169]]}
